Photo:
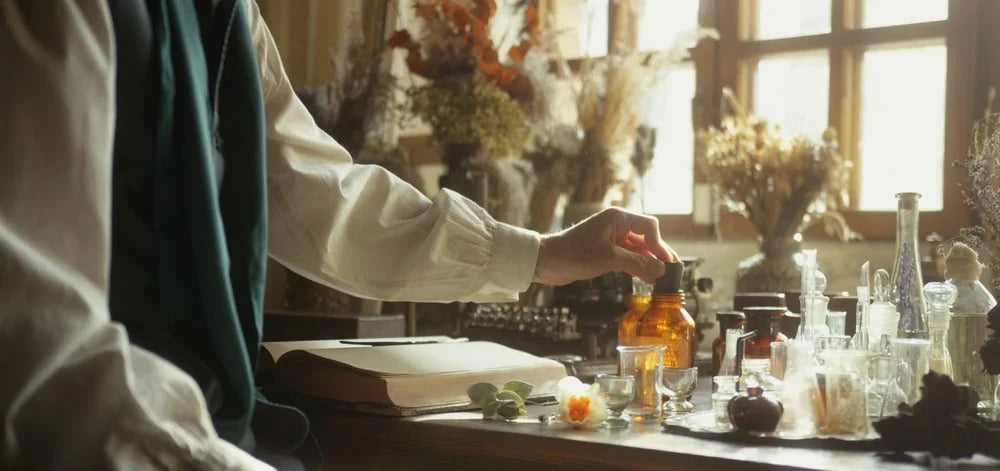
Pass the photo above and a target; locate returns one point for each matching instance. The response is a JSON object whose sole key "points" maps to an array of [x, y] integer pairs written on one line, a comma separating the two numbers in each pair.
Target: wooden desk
{"points": [[462, 440]]}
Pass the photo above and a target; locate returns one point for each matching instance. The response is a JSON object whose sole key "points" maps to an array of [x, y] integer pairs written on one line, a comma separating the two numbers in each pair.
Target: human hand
{"points": [[611, 240]]}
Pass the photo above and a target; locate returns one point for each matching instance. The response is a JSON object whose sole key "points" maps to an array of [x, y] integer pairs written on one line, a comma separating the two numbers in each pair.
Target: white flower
{"points": [[580, 404]]}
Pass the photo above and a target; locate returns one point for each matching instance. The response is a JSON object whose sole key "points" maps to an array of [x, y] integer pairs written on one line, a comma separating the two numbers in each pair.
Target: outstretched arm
{"points": [[360, 229]]}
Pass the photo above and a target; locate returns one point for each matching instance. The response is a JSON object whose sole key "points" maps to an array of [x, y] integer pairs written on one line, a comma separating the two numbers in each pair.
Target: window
{"points": [[668, 109], [878, 71], [896, 78]]}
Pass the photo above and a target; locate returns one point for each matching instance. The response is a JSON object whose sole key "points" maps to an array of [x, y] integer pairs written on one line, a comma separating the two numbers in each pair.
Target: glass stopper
{"points": [[940, 296]]}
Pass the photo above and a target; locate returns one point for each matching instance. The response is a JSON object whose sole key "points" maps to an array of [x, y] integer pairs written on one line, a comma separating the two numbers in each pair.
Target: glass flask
{"points": [[913, 356], [940, 297], [907, 281], [727, 320], [641, 296], [666, 323], [884, 393]]}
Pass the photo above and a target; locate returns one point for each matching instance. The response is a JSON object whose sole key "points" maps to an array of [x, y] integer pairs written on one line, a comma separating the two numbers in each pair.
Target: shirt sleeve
{"points": [[75, 394], [362, 230]]}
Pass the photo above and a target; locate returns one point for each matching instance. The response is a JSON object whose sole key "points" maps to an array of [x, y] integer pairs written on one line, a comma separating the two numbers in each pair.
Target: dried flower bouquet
{"points": [[779, 184]]}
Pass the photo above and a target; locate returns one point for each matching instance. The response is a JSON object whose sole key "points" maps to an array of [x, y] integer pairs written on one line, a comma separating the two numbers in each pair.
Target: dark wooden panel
{"points": [[285, 326]]}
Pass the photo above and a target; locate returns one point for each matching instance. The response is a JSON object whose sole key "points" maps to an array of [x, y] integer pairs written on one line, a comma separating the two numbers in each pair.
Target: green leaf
{"points": [[490, 408], [520, 387], [510, 396], [509, 409], [480, 392]]}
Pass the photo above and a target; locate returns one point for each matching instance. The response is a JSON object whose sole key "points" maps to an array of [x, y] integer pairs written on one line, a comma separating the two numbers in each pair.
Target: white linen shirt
{"points": [[75, 394]]}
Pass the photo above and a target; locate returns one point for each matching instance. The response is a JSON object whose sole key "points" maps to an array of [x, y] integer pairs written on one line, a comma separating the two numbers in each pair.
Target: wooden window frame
{"points": [[965, 91], [729, 62]]}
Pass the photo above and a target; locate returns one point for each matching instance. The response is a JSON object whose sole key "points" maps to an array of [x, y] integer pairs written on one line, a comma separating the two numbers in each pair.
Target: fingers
{"points": [[635, 264], [636, 244], [638, 227]]}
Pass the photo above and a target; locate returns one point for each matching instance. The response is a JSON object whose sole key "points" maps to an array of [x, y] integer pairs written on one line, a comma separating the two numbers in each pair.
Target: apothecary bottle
{"points": [[907, 281], [767, 322], [667, 323], [641, 296]]}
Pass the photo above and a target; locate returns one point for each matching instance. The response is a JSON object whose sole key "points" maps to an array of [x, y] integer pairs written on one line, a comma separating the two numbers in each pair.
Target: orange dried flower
{"points": [[579, 408]]}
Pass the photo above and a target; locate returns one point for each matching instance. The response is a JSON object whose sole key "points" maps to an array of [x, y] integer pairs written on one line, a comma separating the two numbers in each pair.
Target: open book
{"points": [[405, 379]]}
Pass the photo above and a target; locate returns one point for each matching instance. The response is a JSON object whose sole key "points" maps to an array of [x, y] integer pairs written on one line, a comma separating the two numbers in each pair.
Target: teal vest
{"points": [[189, 218]]}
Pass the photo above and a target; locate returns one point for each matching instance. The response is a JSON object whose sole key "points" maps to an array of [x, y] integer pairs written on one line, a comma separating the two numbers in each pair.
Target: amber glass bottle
{"points": [[641, 294], [667, 323], [727, 320], [767, 322]]}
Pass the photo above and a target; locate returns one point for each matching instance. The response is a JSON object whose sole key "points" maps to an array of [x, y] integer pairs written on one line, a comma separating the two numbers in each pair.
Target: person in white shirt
{"points": [[76, 393]]}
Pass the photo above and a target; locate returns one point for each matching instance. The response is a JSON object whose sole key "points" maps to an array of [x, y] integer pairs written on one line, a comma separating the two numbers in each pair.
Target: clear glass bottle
{"points": [[667, 323], [907, 281], [884, 393], [725, 389], [727, 320], [940, 297], [883, 319], [641, 296], [968, 329]]}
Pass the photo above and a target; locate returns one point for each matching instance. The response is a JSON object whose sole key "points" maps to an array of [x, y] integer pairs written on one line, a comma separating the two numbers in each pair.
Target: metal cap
{"points": [[672, 279]]}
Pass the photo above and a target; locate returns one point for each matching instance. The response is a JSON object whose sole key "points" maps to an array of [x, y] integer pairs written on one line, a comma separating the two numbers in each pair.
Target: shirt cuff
{"points": [[512, 266]]}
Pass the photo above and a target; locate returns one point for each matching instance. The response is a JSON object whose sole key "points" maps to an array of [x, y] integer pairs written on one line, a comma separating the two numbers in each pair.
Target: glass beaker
{"points": [[837, 322], [913, 355], [846, 381], [642, 363]]}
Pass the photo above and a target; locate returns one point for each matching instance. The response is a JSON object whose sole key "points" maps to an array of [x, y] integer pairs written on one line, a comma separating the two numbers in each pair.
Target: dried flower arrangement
{"points": [[606, 144], [356, 106], [982, 195], [772, 180], [471, 97]]}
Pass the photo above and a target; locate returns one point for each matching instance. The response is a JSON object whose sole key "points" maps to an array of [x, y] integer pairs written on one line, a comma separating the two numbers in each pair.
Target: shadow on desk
{"points": [[465, 441]]}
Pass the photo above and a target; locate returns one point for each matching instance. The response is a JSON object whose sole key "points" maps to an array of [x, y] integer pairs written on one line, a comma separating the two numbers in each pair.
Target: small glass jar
{"points": [[725, 390], [767, 322]]}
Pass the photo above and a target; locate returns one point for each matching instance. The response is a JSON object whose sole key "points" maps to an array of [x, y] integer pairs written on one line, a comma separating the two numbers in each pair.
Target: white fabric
{"points": [[75, 394]]}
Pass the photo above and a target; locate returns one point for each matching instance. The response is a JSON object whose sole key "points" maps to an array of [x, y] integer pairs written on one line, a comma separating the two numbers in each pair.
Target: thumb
{"points": [[642, 266]]}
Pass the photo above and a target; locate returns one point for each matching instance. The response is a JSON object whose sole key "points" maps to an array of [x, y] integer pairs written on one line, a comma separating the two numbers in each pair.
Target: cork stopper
{"points": [[672, 279], [962, 264]]}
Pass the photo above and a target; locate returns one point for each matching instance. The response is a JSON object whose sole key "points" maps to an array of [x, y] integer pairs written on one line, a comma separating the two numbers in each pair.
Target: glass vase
{"points": [[907, 281], [777, 268]]}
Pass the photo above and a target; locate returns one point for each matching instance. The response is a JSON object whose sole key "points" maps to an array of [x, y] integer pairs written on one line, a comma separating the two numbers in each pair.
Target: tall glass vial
{"points": [[907, 281], [667, 323], [940, 297], [727, 320], [641, 295]]}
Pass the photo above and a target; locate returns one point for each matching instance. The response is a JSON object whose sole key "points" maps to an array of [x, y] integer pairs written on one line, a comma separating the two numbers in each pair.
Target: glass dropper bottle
{"points": [[666, 323], [940, 297]]}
